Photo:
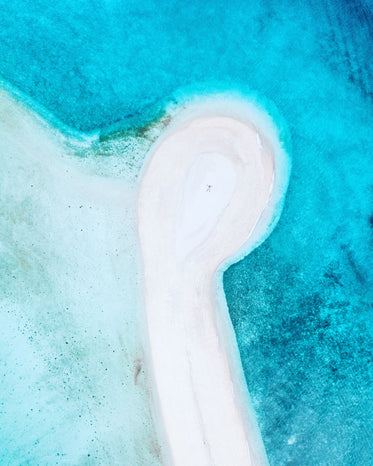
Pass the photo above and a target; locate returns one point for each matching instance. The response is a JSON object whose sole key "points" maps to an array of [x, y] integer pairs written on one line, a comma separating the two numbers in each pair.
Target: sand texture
{"points": [[207, 182]]}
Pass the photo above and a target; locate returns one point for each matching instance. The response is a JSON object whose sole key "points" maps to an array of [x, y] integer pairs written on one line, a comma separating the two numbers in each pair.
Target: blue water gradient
{"points": [[301, 304]]}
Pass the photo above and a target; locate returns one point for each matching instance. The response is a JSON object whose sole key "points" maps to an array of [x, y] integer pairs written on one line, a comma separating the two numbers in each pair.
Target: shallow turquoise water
{"points": [[301, 303]]}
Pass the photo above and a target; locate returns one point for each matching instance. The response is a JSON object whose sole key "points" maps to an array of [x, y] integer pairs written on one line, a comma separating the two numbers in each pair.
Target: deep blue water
{"points": [[301, 304]]}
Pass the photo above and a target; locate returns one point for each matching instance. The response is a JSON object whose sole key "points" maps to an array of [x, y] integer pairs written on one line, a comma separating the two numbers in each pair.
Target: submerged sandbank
{"points": [[207, 192], [74, 387]]}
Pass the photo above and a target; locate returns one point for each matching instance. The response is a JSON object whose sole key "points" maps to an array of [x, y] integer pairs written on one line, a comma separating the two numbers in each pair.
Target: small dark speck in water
{"points": [[138, 367]]}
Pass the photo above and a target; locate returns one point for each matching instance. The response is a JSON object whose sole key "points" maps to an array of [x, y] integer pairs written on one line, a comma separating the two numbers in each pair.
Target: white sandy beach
{"points": [[207, 182]]}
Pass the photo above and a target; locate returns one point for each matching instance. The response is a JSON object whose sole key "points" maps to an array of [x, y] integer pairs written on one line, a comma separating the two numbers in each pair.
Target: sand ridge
{"points": [[206, 185]]}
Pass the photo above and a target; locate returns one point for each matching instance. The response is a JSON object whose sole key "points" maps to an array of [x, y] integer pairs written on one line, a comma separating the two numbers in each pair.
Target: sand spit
{"points": [[206, 197], [205, 188]]}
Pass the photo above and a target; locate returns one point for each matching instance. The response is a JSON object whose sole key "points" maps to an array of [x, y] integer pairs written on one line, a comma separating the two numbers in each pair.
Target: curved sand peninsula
{"points": [[207, 183]]}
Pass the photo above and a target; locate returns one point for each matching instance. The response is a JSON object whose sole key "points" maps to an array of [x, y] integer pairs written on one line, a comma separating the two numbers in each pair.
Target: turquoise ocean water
{"points": [[301, 304]]}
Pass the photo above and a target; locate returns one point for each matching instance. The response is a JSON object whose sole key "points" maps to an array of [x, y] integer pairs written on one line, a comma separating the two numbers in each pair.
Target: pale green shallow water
{"points": [[72, 385]]}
